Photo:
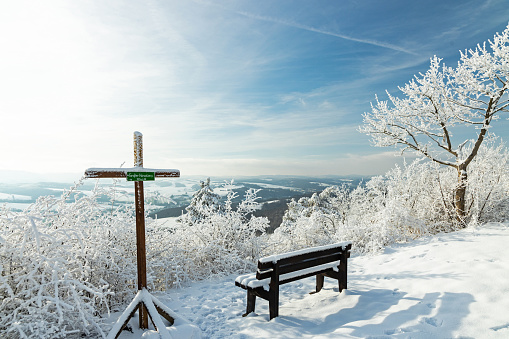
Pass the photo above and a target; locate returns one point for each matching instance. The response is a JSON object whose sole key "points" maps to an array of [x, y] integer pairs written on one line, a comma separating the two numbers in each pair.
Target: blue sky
{"points": [[218, 88]]}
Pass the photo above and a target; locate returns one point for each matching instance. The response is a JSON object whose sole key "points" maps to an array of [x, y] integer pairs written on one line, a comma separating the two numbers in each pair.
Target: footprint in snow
{"points": [[502, 327], [433, 322], [397, 331]]}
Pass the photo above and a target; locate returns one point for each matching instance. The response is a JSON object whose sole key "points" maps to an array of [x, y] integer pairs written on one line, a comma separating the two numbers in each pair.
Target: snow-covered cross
{"points": [[138, 174]]}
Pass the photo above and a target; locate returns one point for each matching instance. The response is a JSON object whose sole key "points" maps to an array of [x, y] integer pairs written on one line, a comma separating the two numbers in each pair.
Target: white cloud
{"points": [[351, 164]]}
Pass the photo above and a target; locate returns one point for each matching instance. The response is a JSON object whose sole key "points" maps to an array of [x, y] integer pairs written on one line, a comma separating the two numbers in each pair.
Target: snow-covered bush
{"points": [[408, 202], [60, 265], [222, 240], [488, 191], [65, 262], [311, 221]]}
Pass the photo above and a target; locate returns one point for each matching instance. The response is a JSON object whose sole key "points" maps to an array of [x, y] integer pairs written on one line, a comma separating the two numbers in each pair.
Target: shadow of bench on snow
{"points": [[435, 312]]}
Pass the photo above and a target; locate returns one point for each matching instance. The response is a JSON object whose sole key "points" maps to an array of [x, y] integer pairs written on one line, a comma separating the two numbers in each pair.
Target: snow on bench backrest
{"points": [[278, 257], [305, 260]]}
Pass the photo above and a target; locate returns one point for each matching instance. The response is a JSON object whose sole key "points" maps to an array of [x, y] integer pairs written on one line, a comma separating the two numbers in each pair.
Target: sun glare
{"points": [[49, 71]]}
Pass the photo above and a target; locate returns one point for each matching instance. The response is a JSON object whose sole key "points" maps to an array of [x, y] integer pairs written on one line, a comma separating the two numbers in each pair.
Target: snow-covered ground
{"points": [[449, 286]]}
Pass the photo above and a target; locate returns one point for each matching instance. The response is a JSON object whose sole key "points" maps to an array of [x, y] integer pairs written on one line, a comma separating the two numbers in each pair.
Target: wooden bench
{"points": [[273, 271]]}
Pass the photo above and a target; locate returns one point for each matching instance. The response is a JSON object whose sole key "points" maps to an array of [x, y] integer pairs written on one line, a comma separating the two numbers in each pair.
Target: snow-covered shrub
{"points": [[488, 190], [408, 202], [222, 240], [311, 221], [58, 264], [66, 261]]}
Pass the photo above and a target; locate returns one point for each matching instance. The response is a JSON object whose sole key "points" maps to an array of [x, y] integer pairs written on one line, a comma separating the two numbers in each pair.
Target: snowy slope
{"points": [[447, 286]]}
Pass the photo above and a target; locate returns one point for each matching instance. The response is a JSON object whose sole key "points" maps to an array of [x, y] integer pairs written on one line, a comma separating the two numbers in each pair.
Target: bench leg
{"points": [[342, 273], [274, 304], [251, 301], [319, 283], [274, 293]]}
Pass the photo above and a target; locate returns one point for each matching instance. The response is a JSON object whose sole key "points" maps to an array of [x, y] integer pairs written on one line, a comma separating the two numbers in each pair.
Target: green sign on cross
{"points": [[141, 176]]}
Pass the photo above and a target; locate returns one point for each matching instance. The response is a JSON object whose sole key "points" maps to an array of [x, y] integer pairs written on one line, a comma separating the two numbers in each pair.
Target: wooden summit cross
{"points": [[143, 302]]}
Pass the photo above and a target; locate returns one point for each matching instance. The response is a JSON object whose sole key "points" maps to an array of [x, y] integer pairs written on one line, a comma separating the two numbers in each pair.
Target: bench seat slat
{"points": [[263, 274], [251, 281]]}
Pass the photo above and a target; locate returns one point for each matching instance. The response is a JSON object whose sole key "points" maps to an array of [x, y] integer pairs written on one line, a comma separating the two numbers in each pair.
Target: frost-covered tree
{"points": [[442, 101], [203, 203]]}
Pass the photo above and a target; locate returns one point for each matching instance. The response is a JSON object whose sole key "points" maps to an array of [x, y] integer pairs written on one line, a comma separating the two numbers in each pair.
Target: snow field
{"points": [[446, 286]]}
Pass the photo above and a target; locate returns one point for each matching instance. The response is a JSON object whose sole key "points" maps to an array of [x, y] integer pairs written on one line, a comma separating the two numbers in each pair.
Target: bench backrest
{"points": [[302, 260]]}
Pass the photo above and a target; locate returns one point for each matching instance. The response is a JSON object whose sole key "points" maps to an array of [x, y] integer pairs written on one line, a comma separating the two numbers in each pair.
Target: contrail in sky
{"points": [[316, 30], [311, 29]]}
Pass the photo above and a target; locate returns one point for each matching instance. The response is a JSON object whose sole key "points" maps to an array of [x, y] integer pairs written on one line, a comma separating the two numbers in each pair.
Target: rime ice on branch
{"points": [[474, 94]]}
